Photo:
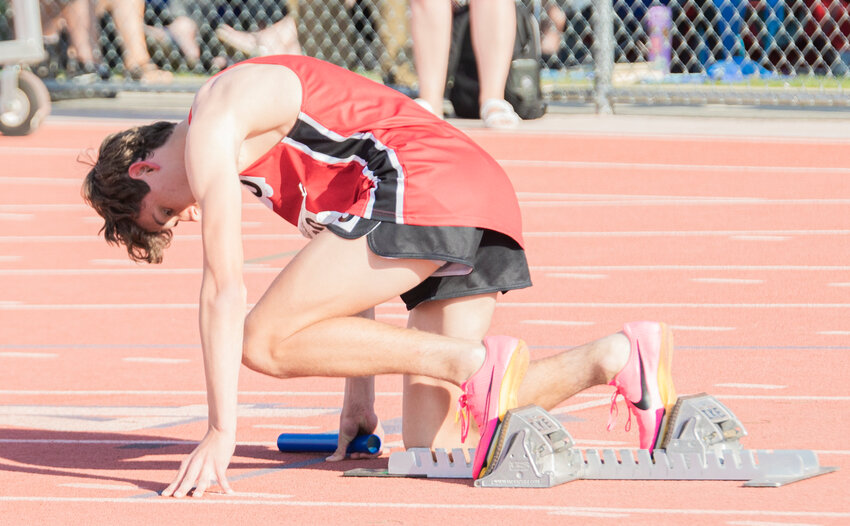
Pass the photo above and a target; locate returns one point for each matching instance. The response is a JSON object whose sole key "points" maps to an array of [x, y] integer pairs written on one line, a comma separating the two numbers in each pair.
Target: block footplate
{"points": [[702, 442]]}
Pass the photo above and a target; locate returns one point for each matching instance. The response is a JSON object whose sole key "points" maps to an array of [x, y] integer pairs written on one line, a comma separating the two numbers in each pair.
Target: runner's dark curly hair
{"points": [[117, 197]]}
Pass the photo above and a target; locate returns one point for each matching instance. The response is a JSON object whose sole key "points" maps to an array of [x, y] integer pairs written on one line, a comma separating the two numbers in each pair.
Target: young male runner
{"points": [[397, 202]]}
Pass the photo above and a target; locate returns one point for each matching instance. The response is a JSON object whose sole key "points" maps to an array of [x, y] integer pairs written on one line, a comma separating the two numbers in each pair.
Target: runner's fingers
{"points": [[169, 491], [189, 479], [362, 455], [341, 448], [222, 480], [338, 455], [203, 484]]}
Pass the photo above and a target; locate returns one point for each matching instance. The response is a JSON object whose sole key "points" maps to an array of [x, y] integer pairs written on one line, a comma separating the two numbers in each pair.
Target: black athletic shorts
{"points": [[478, 261]]}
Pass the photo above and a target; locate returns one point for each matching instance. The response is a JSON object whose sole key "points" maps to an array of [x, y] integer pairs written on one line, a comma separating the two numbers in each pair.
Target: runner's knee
{"points": [[262, 349]]}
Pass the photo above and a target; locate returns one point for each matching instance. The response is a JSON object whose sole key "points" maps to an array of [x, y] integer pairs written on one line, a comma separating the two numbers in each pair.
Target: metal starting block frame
{"points": [[702, 442]]}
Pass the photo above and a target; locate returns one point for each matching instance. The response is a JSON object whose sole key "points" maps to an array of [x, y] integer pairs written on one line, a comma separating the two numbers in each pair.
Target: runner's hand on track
{"points": [[208, 462], [351, 425]]}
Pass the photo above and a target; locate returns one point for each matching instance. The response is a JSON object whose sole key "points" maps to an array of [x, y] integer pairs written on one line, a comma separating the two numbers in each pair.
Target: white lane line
{"points": [[65, 207], [759, 238], [38, 355], [66, 392], [639, 234], [752, 386], [62, 181], [116, 262], [105, 487], [252, 495], [99, 306], [603, 165], [9, 259], [15, 306], [788, 398], [196, 410], [599, 514], [133, 268], [525, 198], [762, 523], [700, 328], [94, 237], [147, 359], [674, 167], [133, 418], [592, 444], [556, 304], [285, 427], [568, 323], [278, 500], [669, 268], [39, 151], [739, 234], [834, 333], [568, 275], [108, 442], [728, 280], [677, 199], [552, 203], [578, 407], [45, 207], [16, 217], [284, 394], [839, 284], [245, 224]]}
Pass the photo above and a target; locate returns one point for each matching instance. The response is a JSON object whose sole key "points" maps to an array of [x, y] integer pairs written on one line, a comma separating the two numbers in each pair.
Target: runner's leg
{"points": [[304, 325], [429, 404], [550, 381], [428, 418]]}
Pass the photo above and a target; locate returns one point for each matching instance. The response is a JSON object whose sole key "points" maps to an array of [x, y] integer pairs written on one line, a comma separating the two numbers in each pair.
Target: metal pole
{"points": [[603, 54], [27, 47]]}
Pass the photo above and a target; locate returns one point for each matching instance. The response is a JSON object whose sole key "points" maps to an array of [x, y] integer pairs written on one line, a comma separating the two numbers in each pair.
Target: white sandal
{"points": [[427, 105], [499, 114]]}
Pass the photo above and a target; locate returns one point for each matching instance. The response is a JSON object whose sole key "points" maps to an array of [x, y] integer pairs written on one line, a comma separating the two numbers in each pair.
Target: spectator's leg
{"points": [[552, 29], [493, 27], [431, 28], [79, 20], [128, 16], [394, 32], [184, 30], [280, 38]]}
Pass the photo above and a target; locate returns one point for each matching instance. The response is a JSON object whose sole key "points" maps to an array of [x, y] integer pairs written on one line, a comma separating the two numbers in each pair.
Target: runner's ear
{"points": [[139, 169]]}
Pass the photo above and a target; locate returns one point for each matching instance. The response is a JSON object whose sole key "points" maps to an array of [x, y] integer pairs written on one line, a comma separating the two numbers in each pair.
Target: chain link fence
{"points": [[774, 52]]}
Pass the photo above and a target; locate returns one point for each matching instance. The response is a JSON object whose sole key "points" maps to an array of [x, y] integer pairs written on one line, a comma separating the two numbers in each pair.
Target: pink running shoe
{"points": [[646, 381], [492, 391]]}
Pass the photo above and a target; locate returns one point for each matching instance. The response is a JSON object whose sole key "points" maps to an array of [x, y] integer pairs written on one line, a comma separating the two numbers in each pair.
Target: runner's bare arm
{"points": [[358, 410], [245, 103]]}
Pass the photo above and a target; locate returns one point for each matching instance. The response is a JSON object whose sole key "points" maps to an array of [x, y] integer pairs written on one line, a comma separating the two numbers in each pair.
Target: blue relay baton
{"points": [[326, 443]]}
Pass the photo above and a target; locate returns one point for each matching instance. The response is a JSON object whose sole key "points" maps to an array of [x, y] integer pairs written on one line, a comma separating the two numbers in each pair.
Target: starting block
{"points": [[702, 442]]}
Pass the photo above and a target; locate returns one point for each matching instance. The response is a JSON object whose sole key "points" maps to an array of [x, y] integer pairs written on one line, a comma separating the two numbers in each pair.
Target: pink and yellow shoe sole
{"points": [[666, 389], [511, 381]]}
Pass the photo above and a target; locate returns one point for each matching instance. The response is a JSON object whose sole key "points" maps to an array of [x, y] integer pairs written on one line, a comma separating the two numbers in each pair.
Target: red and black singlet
{"points": [[364, 149]]}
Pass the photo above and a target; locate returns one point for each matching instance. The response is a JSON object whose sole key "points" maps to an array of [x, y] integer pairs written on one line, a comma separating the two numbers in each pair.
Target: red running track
{"points": [[741, 245]]}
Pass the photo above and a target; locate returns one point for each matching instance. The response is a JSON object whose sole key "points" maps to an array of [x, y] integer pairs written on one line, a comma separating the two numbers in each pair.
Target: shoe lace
{"points": [[614, 412], [463, 414]]}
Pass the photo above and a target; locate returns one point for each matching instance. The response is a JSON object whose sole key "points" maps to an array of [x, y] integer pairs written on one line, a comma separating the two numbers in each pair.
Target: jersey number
{"points": [[260, 188]]}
